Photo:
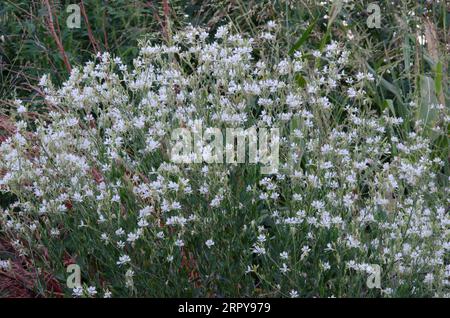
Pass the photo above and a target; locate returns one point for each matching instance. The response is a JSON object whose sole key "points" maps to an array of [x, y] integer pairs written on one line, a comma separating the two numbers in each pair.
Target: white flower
{"points": [[421, 39], [179, 243], [351, 92], [429, 278], [77, 291], [5, 265], [260, 250], [267, 36], [120, 232], [284, 255], [21, 109], [271, 25], [305, 251], [284, 268], [209, 243], [123, 260], [388, 291], [92, 291], [54, 232], [132, 237], [143, 223], [129, 278], [222, 31], [261, 238], [104, 237], [293, 294]]}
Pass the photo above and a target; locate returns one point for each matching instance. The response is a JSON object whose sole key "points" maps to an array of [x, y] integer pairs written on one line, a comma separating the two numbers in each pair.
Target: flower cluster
{"points": [[94, 180]]}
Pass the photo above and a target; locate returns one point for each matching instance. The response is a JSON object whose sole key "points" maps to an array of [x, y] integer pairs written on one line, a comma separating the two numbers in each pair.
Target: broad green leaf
{"points": [[425, 112], [303, 38], [387, 85], [300, 80]]}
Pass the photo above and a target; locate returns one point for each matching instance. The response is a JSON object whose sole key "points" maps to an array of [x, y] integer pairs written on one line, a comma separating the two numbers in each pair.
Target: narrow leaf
{"points": [[303, 38]]}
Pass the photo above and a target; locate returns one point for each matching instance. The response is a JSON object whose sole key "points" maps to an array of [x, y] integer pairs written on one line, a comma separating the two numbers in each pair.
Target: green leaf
{"points": [[388, 103], [425, 112], [387, 85], [438, 78], [300, 80], [303, 38], [334, 12]]}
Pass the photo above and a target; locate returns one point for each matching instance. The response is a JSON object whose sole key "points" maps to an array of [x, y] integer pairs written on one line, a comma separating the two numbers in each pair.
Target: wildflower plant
{"points": [[95, 182]]}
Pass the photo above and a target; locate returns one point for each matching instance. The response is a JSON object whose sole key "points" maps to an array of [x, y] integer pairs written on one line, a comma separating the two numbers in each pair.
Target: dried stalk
{"points": [[55, 36]]}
